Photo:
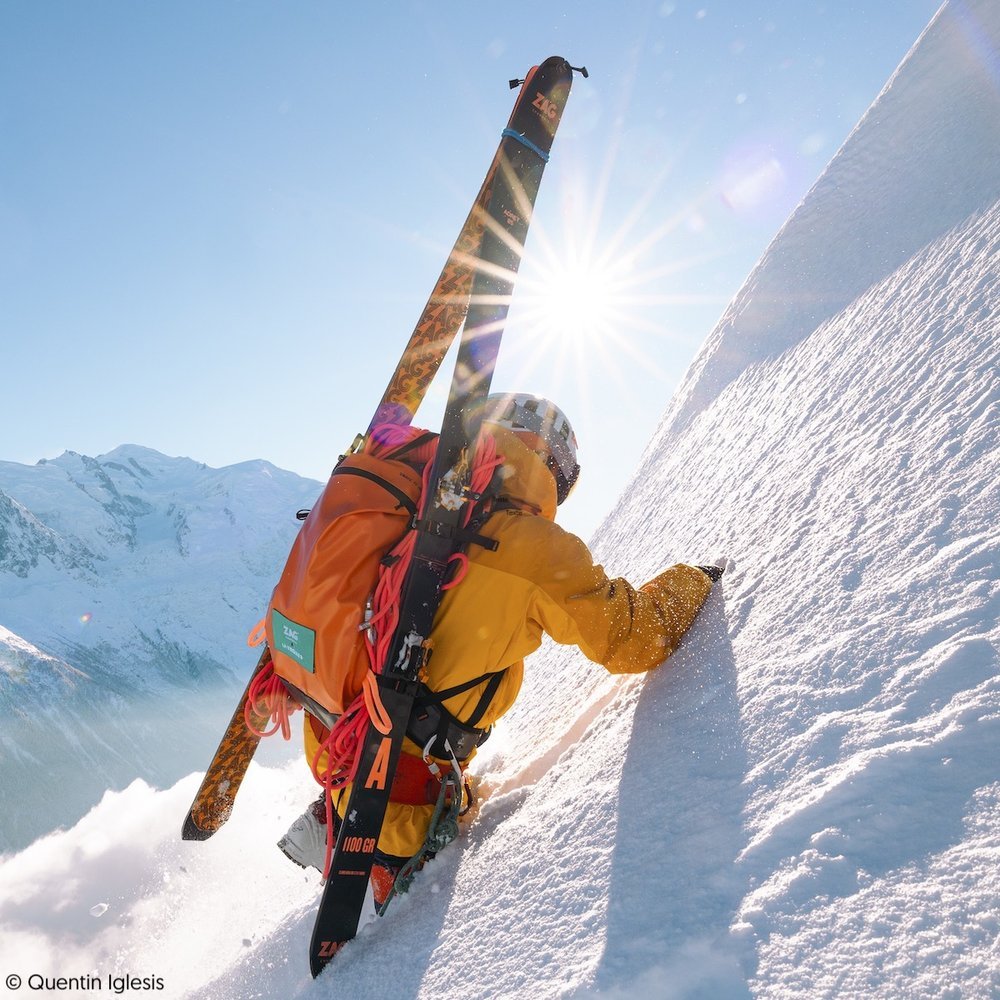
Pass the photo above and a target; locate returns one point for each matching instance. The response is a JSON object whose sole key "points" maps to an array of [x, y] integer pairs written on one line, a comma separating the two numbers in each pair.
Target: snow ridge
{"points": [[909, 172]]}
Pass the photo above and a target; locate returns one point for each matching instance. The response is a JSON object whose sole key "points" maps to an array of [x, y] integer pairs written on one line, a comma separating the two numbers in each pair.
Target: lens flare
{"points": [[579, 299], [594, 299]]}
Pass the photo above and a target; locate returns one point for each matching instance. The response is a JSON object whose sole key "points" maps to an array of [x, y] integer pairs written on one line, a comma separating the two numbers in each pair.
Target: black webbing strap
{"points": [[464, 536], [431, 720], [486, 504], [487, 698], [404, 500]]}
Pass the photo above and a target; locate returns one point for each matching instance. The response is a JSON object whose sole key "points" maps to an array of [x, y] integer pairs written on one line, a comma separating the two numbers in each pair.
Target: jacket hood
{"points": [[525, 475]]}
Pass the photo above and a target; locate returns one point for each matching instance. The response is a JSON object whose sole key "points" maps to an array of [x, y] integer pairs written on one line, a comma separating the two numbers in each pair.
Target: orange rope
{"points": [[268, 698]]}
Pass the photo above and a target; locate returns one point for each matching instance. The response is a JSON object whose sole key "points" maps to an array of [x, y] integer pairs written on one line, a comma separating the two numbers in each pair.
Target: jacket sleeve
{"points": [[624, 628]]}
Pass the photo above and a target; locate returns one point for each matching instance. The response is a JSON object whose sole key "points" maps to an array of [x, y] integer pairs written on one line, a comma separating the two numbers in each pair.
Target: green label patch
{"points": [[294, 640]]}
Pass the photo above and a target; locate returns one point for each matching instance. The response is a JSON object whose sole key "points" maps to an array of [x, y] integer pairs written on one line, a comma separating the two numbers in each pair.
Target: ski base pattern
{"points": [[214, 800]]}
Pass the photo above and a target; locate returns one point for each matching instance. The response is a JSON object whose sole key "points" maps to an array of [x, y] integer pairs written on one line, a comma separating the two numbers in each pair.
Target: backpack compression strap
{"points": [[402, 499]]}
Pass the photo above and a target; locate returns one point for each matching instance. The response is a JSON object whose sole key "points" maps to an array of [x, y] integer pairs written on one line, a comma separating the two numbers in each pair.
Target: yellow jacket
{"points": [[540, 579]]}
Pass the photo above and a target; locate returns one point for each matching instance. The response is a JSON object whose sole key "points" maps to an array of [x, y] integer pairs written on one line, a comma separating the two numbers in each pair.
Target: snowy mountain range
{"points": [[128, 583], [805, 802]]}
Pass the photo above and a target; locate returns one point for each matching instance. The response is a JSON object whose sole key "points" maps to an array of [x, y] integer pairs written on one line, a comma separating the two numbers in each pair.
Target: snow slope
{"points": [[806, 801], [907, 174]]}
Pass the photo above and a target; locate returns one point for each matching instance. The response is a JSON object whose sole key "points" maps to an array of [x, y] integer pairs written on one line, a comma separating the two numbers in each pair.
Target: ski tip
{"points": [[191, 830], [516, 82]]}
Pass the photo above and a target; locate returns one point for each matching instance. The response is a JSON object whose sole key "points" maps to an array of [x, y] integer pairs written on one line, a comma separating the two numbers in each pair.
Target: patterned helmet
{"points": [[545, 430]]}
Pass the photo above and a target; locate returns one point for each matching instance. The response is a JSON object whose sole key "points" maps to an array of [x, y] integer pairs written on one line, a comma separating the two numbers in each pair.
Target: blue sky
{"points": [[219, 221]]}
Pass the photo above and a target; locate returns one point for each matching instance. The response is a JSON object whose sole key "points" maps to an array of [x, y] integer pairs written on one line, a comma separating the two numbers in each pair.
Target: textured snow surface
{"points": [[806, 801], [922, 158]]}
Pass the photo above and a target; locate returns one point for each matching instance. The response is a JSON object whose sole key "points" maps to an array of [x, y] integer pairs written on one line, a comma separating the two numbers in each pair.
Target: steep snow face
{"points": [[806, 800], [128, 583], [921, 160], [855, 482]]}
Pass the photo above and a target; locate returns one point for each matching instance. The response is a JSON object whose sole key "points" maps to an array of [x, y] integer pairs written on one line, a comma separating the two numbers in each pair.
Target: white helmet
{"points": [[544, 428]]}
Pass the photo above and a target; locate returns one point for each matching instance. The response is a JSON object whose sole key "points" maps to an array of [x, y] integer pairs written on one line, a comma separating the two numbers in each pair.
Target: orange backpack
{"points": [[316, 620]]}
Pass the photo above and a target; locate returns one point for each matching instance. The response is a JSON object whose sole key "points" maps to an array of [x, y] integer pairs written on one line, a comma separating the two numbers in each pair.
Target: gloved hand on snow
{"points": [[716, 569]]}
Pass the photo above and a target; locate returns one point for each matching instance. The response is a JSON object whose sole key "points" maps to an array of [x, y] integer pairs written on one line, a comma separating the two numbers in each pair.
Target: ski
{"points": [[523, 153], [440, 321], [432, 335], [214, 800]]}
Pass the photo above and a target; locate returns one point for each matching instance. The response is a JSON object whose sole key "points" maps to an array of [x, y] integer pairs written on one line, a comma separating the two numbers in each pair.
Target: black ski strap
{"points": [[401, 497], [485, 505]]}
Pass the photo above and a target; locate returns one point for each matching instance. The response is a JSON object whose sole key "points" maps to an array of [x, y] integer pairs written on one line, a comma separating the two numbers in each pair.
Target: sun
{"points": [[578, 300], [595, 304], [577, 304]]}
